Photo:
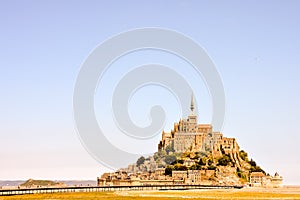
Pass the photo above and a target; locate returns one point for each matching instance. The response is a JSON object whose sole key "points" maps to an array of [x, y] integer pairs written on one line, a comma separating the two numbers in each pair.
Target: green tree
{"points": [[257, 169], [195, 167], [210, 161], [169, 159], [252, 163], [180, 167], [140, 161], [169, 149], [156, 156], [224, 160], [211, 167], [168, 170], [202, 162], [243, 155], [242, 175], [180, 161], [160, 155]]}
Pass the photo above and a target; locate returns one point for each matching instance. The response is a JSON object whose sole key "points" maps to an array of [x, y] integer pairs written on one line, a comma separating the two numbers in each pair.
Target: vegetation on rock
{"points": [[224, 160], [140, 161], [241, 165]]}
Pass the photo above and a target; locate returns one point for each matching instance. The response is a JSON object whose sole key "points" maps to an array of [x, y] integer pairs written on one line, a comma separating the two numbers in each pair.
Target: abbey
{"points": [[193, 153], [188, 135]]}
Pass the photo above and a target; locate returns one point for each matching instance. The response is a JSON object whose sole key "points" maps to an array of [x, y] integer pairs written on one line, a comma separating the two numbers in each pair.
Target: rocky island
{"points": [[193, 153]]}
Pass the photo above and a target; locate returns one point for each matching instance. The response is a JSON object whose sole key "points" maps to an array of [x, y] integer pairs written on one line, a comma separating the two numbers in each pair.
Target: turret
{"points": [[192, 118], [192, 105]]}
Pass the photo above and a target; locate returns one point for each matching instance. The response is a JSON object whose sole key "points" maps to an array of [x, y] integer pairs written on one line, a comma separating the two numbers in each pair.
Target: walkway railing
{"points": [[110, 188]]}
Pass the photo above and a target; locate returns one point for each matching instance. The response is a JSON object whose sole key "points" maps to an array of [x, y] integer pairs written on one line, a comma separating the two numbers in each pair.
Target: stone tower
{"points": [[192, 104], [192, 118]]}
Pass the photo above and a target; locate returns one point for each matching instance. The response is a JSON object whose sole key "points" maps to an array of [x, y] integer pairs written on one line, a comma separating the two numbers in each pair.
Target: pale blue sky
{"points": [[254, 44]]}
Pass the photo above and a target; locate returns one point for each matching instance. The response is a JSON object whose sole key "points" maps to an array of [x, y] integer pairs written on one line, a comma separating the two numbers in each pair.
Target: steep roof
{"points": [[257, 174]]}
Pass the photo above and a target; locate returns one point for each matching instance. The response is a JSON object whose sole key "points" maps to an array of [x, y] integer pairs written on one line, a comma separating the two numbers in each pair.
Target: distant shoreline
{"points": [[15, 183]]}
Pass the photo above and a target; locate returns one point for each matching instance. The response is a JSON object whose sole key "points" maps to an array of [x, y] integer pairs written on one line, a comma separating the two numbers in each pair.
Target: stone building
{"points": [[187, 177], [259, 179], [276, 180], [194, 177], [188, 135], [179, 175]]}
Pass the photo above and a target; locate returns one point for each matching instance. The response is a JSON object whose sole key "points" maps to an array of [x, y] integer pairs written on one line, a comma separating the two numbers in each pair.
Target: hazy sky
{"points": [[254, 45]]}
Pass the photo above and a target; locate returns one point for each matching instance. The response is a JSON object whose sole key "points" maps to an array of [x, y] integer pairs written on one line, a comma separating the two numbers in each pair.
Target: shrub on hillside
{"points": [[224, 160]]}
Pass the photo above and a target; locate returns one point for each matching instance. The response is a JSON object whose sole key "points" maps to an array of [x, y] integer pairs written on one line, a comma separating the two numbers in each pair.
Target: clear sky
{"points": [[254, 44]]}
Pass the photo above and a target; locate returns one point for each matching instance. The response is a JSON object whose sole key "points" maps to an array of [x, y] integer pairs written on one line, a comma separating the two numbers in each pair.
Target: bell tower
{"points": [[192, 105], [192, 118]]}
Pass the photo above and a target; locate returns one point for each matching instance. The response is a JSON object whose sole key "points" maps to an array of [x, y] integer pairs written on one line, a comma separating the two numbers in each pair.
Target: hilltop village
{"points": [[193, 153]]}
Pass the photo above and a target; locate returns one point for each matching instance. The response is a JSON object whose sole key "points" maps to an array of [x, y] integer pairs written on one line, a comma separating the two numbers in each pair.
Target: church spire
{"points": [[192, 103]]}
